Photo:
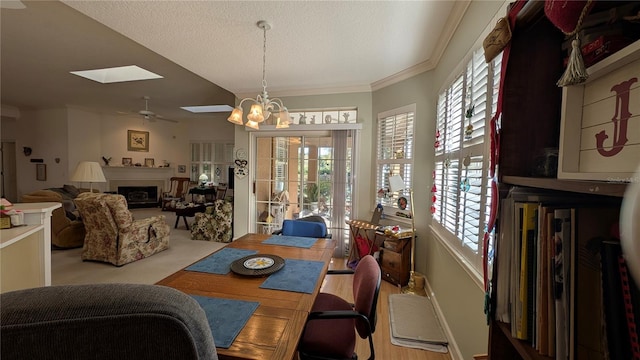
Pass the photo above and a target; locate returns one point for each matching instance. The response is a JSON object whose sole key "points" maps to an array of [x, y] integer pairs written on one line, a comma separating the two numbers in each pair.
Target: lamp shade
{"points": [[252, 124], [236, 116], [282, 120], [88, 171], [255, 113], [396, 183]]}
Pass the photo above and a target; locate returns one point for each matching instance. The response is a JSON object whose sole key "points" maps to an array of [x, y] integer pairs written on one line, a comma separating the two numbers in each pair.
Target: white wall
{"points": [[84, 142], [167, 141], [45, 131], [215, 129], [461, 299], [75, 135]]}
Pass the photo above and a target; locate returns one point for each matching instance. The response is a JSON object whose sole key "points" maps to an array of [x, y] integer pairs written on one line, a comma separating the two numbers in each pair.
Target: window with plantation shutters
{"points": [[211, 159], [461, 171], [394, 153]]}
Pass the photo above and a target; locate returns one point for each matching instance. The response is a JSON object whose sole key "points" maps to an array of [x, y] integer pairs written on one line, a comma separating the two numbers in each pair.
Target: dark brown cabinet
{"points": [[530, 124], [395, 258]]}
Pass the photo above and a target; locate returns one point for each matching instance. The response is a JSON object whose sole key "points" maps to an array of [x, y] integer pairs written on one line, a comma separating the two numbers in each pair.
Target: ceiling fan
{"points": [[150, 115]]}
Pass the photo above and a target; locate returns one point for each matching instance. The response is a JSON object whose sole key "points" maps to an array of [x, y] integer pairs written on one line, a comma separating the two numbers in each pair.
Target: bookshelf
{"points": [[531, 124]]}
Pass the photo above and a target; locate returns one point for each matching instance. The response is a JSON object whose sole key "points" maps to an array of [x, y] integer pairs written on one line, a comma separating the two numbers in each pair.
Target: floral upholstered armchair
{"points": [[215, 224], [113, 235]]}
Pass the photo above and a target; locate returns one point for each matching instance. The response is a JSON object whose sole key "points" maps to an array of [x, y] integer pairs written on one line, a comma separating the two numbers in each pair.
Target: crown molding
{"points": [[310, 91], [455, 18], [10, 111], [403, 75]]}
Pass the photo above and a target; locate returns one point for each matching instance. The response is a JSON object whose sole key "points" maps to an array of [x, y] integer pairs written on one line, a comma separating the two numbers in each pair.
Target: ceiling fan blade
{"points": [[160, 117]]}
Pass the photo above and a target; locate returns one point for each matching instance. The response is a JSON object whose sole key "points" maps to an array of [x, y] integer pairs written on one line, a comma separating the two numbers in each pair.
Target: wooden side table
{"points": [[395, 258], [189, 211], [208, 192]]}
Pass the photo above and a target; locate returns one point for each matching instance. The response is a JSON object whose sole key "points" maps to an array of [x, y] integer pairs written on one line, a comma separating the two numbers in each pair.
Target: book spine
{"points": [[526, 275], [562, 219]]}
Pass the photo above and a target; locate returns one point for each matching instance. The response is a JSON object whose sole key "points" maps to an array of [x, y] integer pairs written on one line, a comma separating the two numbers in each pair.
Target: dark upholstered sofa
{"points": [[103, 321]]}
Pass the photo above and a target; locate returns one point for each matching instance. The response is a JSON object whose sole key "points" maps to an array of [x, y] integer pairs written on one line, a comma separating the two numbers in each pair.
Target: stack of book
{"points": [[563, 284]]}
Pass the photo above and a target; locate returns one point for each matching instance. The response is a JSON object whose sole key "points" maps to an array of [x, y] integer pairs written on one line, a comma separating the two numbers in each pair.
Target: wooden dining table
{"points": [[274, 329]]}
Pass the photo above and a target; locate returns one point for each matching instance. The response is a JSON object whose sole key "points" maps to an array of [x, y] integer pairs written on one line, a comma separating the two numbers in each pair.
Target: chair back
{"points": [[104, 321], [179, 186], [304, 228], [96, 215], [221, 191], [366, 287], [313, 218]]}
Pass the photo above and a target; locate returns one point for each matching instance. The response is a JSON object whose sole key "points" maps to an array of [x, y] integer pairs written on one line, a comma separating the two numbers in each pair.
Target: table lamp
{"points": [[397, 184], [203, 179], [88, 171]]}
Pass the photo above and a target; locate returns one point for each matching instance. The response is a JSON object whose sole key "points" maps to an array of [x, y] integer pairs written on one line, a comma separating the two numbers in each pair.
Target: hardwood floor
{"points": [[341, 285]]}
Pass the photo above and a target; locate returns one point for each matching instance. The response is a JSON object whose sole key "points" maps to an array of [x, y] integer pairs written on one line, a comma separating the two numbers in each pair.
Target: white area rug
{"points": [[414, 323], [68, 268]]}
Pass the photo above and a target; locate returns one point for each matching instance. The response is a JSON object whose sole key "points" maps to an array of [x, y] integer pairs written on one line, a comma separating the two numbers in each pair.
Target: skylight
{"points": [[117, 74], [208, 108]]}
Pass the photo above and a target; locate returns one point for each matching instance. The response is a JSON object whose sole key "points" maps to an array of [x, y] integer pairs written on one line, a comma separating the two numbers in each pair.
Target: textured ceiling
{"points": [[209, 51]]}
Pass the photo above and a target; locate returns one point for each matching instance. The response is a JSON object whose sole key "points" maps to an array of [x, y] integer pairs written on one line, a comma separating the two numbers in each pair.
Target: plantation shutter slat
{"points": [[463, 195], [395, 152]]}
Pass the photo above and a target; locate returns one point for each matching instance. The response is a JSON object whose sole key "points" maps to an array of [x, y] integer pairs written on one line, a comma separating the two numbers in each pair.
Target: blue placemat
{"points": [[297, 241], [220, 261], [296, 275], [226, 317]]}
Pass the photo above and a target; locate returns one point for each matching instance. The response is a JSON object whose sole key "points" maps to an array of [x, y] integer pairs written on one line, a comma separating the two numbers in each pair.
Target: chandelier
{"points": [[262, 107]]}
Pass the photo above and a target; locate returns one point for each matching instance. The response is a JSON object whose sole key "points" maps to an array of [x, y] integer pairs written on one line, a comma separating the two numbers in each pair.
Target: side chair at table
{"points": [[309, 226], [330, 331], [178, 188]]}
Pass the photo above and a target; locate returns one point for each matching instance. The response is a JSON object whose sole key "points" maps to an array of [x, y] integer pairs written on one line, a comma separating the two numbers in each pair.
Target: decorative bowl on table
{"points": [[257, 265]]}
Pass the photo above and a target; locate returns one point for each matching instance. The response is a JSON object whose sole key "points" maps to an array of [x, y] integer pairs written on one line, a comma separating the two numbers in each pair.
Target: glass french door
{"points": [[302, 175]]}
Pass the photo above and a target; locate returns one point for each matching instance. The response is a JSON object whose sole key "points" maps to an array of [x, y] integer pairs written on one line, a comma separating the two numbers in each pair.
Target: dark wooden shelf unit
{"points": [[530, 125]]}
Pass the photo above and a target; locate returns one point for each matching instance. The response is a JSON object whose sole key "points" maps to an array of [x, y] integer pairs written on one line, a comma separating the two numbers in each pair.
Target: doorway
{"points": [[299, 175], [9, 185]]}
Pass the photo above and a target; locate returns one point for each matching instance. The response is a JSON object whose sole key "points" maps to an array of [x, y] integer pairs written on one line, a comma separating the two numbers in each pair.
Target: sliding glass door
{"points": [[298, 175]]}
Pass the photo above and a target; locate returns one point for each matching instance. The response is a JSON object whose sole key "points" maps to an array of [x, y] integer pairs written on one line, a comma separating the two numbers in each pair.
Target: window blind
{"points": [[462, 187], [395, 151]]}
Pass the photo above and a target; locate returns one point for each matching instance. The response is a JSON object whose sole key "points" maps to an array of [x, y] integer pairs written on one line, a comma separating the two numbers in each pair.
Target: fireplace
{"points": [[140, 196]]}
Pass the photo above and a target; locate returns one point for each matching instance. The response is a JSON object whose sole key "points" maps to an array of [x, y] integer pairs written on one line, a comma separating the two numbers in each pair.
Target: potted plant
{"points": [[311, 195]]}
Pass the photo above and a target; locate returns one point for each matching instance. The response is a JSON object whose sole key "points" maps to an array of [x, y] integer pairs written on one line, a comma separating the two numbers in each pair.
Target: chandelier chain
{"points": [[264, 58], [263, 107]]}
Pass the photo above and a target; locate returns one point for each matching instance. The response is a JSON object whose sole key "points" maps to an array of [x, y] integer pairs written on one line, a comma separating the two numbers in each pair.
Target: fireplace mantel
{"points": [[137, 176]]}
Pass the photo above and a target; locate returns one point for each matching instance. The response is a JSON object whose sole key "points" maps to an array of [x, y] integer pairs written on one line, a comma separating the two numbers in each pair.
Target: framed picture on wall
{"points": [[137, 140], [148, 162], [126, 161], [41, 172], [182, 168]]}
